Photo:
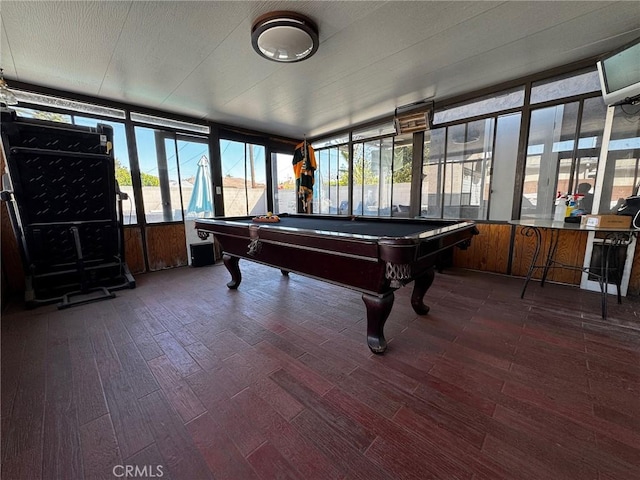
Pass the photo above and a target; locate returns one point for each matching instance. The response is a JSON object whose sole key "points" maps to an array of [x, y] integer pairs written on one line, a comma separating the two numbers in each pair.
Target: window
{"points": [[79, 107], [622, 176], [376, 131], [562, 155], [43, 115], [331, 142], [168, 122], [565, 86], [373, 157], [503, 171], [326, 186], [159, 175], [396, 174], [195, 177], [467, 166], [373, 177], [432, 173], [548, 158], [366, 175], [331, 189], [459, 159], [122, 166], [468, 171], [284, 185], [505, 100], [456, 170], [243, 178]]}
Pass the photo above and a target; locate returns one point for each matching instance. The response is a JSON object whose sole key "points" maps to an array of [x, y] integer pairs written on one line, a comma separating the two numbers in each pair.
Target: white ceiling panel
{"points": [[63, 45], [162, 43], [195, 58]]}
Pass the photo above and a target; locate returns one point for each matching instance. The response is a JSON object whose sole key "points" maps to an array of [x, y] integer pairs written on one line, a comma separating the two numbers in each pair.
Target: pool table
{"points": [[371, 255]]}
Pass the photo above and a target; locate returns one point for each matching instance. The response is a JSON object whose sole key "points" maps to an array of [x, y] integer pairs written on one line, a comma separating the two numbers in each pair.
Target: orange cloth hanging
{"points": [[304, 167]]}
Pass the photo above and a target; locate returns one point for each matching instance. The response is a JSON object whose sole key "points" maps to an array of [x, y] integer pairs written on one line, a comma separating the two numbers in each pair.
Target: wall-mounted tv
{"points": [[620, 74]]}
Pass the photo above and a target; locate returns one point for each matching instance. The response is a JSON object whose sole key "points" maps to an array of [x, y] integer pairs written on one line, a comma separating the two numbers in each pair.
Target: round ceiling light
{"points": [[284, 37]]}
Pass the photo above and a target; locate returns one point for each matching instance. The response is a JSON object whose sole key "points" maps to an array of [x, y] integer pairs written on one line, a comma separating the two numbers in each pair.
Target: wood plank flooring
{"points": [[182, 378]]}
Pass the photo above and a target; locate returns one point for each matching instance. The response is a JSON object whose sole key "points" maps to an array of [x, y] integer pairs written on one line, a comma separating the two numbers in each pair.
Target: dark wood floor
{"points": [[185, 379]]}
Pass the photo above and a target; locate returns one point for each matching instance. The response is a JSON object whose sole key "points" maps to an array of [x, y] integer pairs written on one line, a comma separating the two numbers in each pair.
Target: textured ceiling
{"points": [[195, 58]]}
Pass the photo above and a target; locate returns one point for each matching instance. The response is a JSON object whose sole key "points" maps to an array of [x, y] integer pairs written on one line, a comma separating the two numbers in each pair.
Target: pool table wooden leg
{"points": [[232, 265], [420, 286], [378, 309]]}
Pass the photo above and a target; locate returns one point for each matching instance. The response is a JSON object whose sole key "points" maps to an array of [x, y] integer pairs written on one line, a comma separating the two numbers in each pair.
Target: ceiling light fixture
{"points": [[284, 37], [7, 97]]}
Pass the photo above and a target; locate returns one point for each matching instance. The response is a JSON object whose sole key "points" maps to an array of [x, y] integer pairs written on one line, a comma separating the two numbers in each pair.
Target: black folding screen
{"points": [[65, 209]]}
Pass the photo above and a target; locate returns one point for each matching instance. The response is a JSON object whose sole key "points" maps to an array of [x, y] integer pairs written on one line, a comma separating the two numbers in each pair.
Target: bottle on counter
{"points": [[561, 208], [571, 205]]}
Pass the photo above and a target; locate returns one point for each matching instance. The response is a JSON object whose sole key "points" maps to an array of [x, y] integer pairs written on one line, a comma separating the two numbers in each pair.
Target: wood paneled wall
{"points": [[571, 247], [489, 252], [166, 246], [133, 249]]}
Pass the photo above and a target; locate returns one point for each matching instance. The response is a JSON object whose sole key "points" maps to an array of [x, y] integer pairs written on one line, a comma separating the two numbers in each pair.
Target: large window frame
{"points": [[562, 155], [498, 102], [335, 195], [457, 168], [357, 173], [174, 186], [332, 190], [245, 177]]}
